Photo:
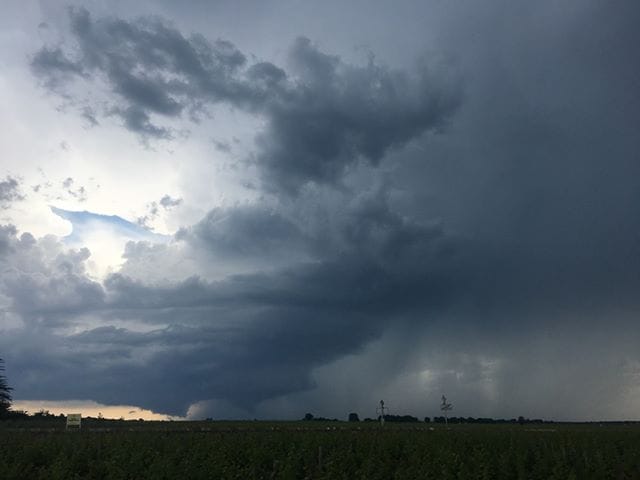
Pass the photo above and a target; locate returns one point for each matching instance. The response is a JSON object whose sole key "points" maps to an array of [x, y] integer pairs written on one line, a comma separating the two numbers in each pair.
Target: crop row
{"points": [[486, 453]]}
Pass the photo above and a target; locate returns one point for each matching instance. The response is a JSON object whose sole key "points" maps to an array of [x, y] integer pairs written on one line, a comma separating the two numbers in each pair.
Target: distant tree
{"points": [[5, 392], [353, 417], [17, 414], [521, 420], [400, 418], [308, 416], [427, 420]]}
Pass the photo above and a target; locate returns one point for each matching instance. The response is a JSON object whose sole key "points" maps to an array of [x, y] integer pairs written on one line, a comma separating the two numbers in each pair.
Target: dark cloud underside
{"points": [[497, 260]]}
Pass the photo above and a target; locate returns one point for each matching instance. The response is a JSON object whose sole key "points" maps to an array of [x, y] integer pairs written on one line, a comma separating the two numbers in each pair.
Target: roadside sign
{"points": [[74, 420]]}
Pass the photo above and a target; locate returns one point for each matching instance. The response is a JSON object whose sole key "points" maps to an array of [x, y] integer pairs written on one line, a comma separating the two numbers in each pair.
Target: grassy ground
{"points": [[333, 450]]}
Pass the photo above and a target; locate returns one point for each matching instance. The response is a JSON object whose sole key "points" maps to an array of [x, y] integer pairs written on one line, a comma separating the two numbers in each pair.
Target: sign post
{"points": [[382, 410], [74, 420]]}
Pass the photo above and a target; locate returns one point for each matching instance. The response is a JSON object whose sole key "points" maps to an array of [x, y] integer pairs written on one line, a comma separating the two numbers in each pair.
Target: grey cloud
{"points": [[223, 147], [7, 234], [138, 121], [168, 202], [89, 115], [78, 193], [44, 281], [266, 73], [557, 372], [53, 66], [245, 338], [257, 237], [10, 192], [153, 209], [246, 230], [321, 119], [281, 324], [338, 114], [259, 336], [180, 364], [148, 95], [151, 66]]}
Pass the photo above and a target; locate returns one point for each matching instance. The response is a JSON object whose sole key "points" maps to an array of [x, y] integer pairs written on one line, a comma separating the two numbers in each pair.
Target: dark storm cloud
{"points": [[529, 308], [260, 335], [322, 117], [180, 364], [54, 67], [544, 152], [10, 192], [150, 65], [138, 121], [338, 114], [245, 338], [246, 230]]}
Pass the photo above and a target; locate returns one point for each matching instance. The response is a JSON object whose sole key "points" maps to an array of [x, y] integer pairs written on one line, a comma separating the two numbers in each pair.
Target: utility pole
{"points": [[382, 410], [445, 407]]}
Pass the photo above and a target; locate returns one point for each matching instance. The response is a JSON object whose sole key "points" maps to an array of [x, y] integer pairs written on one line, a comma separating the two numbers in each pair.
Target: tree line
{"points": [[354, 417], [5, 392]]}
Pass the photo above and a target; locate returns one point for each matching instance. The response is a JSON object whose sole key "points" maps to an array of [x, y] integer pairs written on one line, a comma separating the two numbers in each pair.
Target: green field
{"points": [[298, 450]]}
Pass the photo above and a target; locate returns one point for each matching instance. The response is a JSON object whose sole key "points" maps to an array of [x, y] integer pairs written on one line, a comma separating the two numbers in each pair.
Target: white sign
{"points": [[73, 419]]}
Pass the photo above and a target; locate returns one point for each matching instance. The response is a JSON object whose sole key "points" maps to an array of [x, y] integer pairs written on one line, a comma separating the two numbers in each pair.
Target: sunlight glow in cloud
{"points": [[105, 236]]}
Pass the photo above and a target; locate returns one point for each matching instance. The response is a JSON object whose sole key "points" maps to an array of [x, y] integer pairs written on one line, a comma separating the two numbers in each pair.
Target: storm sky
{"points": [[260, 209]]}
